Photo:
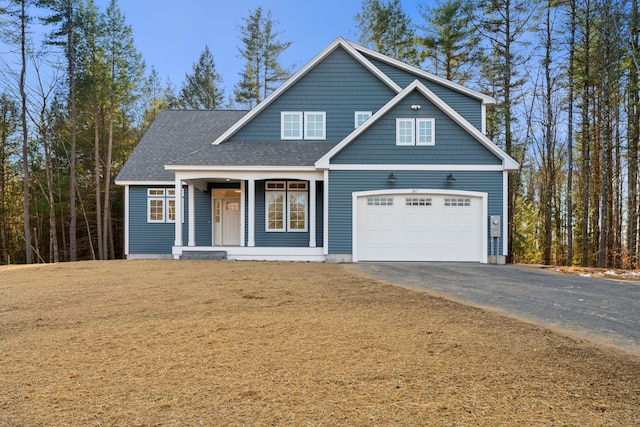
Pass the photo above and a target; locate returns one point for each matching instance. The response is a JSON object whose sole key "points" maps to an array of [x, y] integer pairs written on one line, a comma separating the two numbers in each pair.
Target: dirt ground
{"points": [[252, 343]]}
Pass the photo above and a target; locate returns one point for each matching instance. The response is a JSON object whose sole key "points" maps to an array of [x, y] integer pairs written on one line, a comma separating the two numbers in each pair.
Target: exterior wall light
{"points": [[415, 107], [392, 178], [450, 178]]}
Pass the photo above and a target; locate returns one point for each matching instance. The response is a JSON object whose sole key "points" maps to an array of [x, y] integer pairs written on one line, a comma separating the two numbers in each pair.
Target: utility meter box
{"points": [[495, 225]]}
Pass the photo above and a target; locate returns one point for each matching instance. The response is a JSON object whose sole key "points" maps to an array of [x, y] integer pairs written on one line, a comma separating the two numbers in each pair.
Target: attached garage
{"points": [[420, 225]]}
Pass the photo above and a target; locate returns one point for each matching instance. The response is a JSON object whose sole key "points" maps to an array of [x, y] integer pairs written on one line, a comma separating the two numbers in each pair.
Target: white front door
{"points": [[226, 221]]}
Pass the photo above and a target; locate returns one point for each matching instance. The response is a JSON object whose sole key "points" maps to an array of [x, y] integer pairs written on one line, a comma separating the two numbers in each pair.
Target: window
{"points": [[404, 132], [415, 132], [457, 202], [275, 211], [380, 201], [425, 132], [291, 125], [361, 117], [286, 205], [161, 205], [418, 201], [314, 127]]}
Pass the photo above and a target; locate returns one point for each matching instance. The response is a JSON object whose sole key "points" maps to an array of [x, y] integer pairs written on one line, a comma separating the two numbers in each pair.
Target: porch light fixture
{"points": [[415, 107], [450, 178], [392, 178]]}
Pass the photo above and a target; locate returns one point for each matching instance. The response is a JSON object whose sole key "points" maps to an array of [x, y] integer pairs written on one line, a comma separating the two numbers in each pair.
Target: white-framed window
{"points": [[161, 205], [314, 125], [425, 132], [291, 125], [379, 201], [415, 132], [286, 206], [361, 117], [457, 202], [405, 132]]}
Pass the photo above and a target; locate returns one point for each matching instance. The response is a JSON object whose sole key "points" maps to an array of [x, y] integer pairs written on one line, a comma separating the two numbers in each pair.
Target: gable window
{"points": [[298, 125], [291, 125], [425, 132], [161, 205], [314, 126], [361, 117], [286, 205], [405, 132], [415, 132]]}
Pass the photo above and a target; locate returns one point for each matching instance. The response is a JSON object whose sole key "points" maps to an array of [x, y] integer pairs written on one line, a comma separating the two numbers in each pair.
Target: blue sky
{"points": [[171, 34]]}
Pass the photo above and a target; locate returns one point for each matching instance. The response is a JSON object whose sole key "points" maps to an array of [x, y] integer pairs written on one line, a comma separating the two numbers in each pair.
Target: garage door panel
{"points": [[411, 229]]}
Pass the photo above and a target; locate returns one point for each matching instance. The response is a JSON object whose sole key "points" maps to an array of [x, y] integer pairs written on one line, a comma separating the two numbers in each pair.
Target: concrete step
{"points": [[204, 255]]}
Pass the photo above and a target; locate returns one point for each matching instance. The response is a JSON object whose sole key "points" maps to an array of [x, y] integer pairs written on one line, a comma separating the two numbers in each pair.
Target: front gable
{"points": [[452, 145], [338, 86], [457, 142]]}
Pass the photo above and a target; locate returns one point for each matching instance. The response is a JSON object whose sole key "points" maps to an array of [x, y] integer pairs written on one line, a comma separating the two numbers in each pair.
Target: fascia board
{"points": [[429, 76], [339, 42], [124, 183]]}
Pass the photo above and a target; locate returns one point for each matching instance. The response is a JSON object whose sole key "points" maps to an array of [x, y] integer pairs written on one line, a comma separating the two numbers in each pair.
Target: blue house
{"points": [[357, 157]]}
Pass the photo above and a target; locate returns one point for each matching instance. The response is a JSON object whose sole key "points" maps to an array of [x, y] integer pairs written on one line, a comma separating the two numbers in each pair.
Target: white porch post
{"points": [[192, 215], [312, 213], [243, 216], [251, 238], [178, 207], [325, 211]]}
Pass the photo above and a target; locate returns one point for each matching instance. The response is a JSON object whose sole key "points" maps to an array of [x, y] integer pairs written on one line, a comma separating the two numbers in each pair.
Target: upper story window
{"points": [[361, 117], [291, 125], [415, 132], [314, 125], [297, 125]]}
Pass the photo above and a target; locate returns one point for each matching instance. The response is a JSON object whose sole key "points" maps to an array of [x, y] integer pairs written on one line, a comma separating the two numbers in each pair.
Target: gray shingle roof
{"points": [[172, 135], [184, 137], [258, 154]]}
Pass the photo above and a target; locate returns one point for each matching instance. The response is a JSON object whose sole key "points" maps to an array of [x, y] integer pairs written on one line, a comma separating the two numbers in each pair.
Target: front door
{"points": [[226, 221]]}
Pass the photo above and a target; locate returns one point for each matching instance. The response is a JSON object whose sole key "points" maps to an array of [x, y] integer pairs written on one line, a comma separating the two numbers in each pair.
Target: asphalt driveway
{"points": [[605, 311]]}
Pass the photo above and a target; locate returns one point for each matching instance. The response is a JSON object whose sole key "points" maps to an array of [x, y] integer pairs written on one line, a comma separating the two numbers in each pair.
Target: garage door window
{"points": [[457, 202], [380, 201], [418, 201]]}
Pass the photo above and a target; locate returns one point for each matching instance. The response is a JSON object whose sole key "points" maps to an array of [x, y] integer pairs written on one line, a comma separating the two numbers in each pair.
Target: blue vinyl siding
{"points": [[344, 183], [339, 86], [468, 107], [453, 145], [203, 219], [282, 238], [145, 237]]}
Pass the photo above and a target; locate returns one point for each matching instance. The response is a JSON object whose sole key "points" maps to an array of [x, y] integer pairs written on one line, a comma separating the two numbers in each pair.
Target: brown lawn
{"points": [[248, 343]]}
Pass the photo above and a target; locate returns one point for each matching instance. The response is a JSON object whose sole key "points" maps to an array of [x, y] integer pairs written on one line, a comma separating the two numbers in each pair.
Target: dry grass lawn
{"points": [[247, 343]]}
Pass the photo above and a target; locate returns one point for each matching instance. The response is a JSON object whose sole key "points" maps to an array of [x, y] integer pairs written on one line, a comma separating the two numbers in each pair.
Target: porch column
{"points": [[192, 215], [251, 198], [178, 208], [312, 213]]}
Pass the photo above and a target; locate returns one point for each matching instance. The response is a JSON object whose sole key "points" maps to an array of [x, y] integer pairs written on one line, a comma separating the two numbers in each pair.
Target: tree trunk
{"points": [[72, 117], [96, 145], [25, 133]]}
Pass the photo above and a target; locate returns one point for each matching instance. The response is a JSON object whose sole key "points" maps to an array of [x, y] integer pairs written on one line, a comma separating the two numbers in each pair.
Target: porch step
{"points": [[204, 255]]}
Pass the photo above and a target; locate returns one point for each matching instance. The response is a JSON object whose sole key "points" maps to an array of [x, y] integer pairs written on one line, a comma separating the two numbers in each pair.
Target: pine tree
{"points": [[386, 28], [202, 89], [450, 43], [261, 51]]}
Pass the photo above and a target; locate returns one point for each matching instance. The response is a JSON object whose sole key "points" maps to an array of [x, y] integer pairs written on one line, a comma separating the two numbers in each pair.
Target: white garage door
{"points": [[419, 227]]}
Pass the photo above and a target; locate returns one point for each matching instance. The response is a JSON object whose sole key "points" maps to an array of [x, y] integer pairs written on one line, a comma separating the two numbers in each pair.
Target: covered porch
{"points": [[241, 214]]}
